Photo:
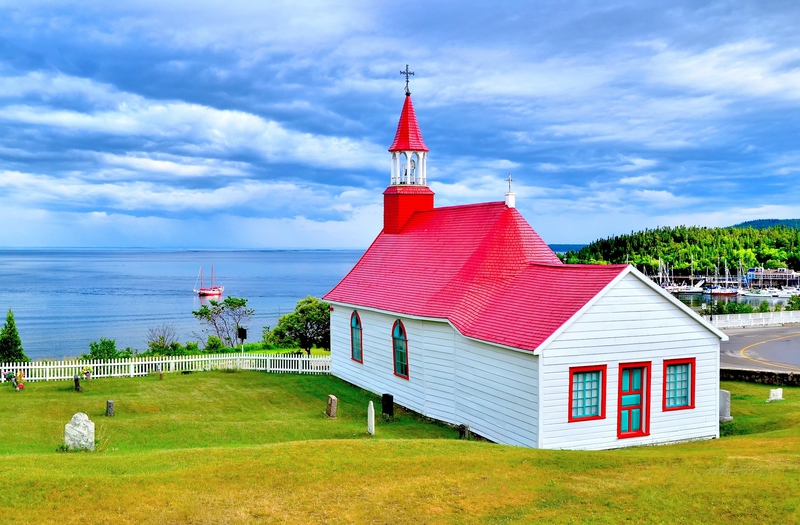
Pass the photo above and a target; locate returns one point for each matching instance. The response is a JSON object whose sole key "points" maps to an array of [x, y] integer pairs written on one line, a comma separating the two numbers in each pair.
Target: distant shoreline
{"points": [[563, 248]]}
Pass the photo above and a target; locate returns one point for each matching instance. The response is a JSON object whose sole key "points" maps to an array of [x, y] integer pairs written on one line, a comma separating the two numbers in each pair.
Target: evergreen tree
{"points": [[10, 343]]}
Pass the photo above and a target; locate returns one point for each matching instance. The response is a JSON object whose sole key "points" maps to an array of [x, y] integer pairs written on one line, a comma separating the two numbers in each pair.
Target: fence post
{"points": [[131, 369]]}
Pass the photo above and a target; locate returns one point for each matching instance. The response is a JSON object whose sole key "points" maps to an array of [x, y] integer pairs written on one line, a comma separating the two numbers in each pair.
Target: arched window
{"points": [[355, 338], [400, 349]]}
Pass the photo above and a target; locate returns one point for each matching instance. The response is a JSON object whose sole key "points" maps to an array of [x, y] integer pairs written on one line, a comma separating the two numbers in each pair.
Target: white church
{"points": [[465, 315]]}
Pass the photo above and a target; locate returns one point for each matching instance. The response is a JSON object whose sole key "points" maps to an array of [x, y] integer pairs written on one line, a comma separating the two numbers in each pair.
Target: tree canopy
{"points": [[223, 318], [774, 247], [309, 326], [10, 343], [106, 349]]}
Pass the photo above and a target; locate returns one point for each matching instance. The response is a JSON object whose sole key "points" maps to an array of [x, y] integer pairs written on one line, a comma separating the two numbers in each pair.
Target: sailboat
{"points": [[212, 290]]}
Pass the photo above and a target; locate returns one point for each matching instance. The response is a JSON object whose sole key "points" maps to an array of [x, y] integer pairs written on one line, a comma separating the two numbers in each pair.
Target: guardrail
{"points": [[142, 366], [754, 319]]}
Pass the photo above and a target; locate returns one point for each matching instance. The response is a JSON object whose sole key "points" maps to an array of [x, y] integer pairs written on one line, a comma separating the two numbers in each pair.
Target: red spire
{"points": [[408, 137]]}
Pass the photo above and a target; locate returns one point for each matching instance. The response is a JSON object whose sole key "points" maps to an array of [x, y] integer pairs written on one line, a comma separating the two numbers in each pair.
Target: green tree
{"points": [[10, 344], [106, 349], [214, 344], [223, 318], [793, 303], [307, 327]]}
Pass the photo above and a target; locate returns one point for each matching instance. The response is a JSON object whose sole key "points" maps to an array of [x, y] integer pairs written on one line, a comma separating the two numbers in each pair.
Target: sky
{"points": [[259, 125]]}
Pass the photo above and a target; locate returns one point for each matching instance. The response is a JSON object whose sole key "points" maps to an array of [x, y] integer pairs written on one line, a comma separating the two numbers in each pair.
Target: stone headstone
{"points": [[110, 408], [333, 403], [78, 387], [387, 405], [371, 419], [725, 406], [79, 433], [775, 394]]}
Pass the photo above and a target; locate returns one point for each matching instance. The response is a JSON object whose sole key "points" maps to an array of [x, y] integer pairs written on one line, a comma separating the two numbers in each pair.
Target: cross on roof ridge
{"points": [[407, 73]]}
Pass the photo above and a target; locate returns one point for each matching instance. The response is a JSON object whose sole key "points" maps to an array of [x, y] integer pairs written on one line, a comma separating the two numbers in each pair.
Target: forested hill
{"points": [[774, 247], [761, 224]]}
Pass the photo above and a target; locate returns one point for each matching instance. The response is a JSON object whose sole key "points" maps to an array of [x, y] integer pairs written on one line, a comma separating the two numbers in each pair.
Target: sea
{"points": [[63, 299]]}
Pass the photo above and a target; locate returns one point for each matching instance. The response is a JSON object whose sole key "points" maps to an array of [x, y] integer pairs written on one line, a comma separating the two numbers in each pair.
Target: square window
{"points": [[679, 375], [587, 393]]}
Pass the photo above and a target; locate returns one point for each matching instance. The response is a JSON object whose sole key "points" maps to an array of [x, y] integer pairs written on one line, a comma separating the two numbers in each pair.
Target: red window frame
{"points": [[394, 356], [360, 341], [644, 426], [603, 369], [687, 360]]}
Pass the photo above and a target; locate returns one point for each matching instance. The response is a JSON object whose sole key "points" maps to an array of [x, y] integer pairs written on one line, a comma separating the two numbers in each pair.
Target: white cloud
{"points": [[203, 129], [138, 196], [175, 165], [26, 227], [754, 67], [641, 180]]}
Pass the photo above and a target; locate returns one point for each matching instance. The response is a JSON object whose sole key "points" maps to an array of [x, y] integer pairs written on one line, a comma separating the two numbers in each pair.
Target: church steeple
{"points": [[408, 191], [409, 152]]}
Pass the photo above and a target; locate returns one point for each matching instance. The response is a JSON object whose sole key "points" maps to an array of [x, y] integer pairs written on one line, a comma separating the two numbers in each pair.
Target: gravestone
{"points": [[775, 394], [387, 405], [725, 406], [333, 404], [79, 433], [78, 387], [371, 419], [110, 408]]}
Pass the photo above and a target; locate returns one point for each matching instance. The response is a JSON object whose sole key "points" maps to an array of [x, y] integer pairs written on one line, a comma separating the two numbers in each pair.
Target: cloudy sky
{"points": [[237, 125]]}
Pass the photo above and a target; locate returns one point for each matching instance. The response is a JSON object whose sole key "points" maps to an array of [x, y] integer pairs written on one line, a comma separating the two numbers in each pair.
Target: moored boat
{"points": [[213, 290]]}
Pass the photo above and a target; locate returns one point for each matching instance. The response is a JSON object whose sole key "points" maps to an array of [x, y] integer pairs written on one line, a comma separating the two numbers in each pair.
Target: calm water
{"points": [[63, 299], [696, 301]]}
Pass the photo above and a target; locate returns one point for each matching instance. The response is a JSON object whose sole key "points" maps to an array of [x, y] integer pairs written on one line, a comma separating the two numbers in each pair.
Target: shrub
{"points": [[214, 344]]}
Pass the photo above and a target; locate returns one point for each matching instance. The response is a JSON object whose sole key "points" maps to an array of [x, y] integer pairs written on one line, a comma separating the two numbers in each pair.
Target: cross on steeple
{"points": [[407, 73], [509, 180]]}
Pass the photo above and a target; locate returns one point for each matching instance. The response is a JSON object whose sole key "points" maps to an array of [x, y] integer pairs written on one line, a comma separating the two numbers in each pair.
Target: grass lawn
{"points": [[252, 447]]}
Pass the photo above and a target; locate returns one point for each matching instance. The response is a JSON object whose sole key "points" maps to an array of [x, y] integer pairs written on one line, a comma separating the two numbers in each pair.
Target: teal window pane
{"points": [[632, 400], [679, 385], [637, 378], [586, 392], [624, 415], [400, 350], [636, 418], [355, 337], [626, 380]]}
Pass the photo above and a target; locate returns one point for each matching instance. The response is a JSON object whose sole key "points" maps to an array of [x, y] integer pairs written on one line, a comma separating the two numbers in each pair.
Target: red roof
{"points": [[482, 267], [408, 136]]}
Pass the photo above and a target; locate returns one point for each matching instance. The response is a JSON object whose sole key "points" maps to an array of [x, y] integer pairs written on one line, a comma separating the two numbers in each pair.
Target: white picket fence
{"points": [[754, 319], [142, 366]]}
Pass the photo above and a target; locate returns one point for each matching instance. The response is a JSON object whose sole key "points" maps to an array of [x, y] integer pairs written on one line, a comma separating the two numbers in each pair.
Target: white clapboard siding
{"points": [[497, 392], [451, 378], [142, 366], [376, 373], [629, 323]]}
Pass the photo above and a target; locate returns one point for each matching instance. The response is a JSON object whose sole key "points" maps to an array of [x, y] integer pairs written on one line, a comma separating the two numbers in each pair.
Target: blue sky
{"points": [[237, 125]]}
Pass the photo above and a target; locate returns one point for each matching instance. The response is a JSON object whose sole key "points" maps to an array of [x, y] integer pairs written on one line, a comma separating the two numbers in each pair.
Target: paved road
{"points": [[773, 348]]}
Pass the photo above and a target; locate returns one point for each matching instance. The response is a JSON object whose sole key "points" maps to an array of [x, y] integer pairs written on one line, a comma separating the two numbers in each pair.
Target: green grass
{"points": [[208, 409], [251, 447]]}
